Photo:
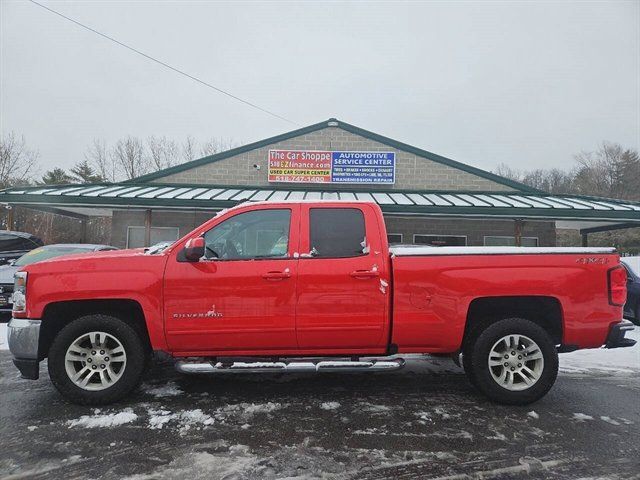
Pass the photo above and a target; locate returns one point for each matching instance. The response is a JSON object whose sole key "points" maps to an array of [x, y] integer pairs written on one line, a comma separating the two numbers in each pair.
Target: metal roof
{"points": [[431, 203]]}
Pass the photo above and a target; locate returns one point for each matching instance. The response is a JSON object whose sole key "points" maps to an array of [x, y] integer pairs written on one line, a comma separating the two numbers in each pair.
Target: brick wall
{"points": [[474, 230], [412, 172]]}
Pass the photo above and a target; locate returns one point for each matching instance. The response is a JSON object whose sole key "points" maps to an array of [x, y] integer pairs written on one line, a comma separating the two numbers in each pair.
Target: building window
{"points": [[135, 236], [441, 240], [507, 241], [394, 238]]}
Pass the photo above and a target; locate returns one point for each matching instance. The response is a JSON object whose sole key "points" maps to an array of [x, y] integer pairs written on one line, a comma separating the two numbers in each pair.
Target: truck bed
{"points": [[437, 289]]}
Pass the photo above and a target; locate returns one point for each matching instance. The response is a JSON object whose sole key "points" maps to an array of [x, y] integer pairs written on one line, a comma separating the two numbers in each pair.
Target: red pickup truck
{"points": [[313, 286]]}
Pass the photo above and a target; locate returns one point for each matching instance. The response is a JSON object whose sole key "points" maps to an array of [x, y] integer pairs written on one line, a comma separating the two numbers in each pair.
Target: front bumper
{"points": [[23, 336], [616, 339]]}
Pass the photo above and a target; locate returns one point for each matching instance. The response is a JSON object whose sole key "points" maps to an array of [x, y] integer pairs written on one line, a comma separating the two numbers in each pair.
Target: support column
{"points": [[517, 233], [585, 239], [147, 228], [10, 219], [83, 230]]}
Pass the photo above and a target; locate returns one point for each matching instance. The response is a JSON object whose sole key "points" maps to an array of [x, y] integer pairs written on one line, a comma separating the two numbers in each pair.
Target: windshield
{"points": [[44, 253]]}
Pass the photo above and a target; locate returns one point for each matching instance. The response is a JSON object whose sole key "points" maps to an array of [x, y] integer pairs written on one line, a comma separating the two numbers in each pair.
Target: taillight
{"points": [[617, 286]]}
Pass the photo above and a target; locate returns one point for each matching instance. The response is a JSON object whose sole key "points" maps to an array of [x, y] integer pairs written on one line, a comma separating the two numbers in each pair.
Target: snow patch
{"points": [[106, 420], [370, 408], [186, 419], [617, 361], [330, 405], [581, 417], [609, 420], [168, 390], [244, 411], [200, 465]]}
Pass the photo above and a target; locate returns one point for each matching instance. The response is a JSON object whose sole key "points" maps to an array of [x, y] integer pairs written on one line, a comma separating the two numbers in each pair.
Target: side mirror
{"points": [[194, 249]]}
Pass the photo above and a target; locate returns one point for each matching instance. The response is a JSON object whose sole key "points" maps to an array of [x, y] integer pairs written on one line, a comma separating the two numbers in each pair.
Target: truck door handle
{"points": [[365, 274], [277, 275]]}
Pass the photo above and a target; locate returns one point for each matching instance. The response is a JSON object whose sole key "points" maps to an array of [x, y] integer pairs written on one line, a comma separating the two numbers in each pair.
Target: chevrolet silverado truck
{"points": [[313, 286]]}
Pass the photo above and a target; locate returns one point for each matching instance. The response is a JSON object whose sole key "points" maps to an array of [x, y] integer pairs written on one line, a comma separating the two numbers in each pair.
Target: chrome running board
{"points": [[186, 366]]}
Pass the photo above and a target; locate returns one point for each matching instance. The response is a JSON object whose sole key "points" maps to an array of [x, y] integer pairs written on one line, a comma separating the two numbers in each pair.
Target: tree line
{"points": [[610, 171], [127, 158]]}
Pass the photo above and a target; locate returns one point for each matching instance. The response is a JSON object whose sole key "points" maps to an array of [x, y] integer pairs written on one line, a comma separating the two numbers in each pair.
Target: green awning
{"points": [[512, 205]]}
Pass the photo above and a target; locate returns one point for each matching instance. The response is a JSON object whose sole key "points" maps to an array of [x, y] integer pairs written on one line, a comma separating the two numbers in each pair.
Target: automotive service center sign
{"points": [[314, 166]]}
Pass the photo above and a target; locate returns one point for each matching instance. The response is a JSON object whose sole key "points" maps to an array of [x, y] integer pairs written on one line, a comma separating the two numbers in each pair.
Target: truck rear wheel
{"points": [[96, 360], [513, 361]]}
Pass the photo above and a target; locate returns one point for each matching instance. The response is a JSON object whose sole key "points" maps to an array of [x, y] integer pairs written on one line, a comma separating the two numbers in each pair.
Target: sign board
{"points": [[316, 166]]}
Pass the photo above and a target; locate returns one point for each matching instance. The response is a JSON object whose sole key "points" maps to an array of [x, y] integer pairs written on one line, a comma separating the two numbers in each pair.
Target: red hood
{"points": [[107, 260]]}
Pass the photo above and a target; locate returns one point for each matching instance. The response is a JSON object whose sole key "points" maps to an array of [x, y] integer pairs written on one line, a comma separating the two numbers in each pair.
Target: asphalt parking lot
{"points": [[423, 422]]}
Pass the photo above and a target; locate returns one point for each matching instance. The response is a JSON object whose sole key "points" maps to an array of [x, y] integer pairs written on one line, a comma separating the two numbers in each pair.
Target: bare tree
{"points": [[128, 155], [97, 154], [189, 148], [610, 171], [164, 153], [17, 160], [506, 171], [216, 145]]}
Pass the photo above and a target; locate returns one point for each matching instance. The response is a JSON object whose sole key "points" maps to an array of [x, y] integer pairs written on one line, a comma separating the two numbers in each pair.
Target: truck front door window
{"points": [[250, 235], [337, 232]]}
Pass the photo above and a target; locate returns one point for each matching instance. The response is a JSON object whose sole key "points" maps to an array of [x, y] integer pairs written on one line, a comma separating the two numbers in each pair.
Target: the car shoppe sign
{"points": [[315, 166]]}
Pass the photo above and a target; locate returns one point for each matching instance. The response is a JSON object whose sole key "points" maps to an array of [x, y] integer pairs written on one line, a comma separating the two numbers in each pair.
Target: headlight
{"points": [[20, 292]]}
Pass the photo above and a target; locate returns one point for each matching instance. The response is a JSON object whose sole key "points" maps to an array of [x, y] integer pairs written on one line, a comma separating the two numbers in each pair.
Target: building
{"points": [[426, 198]]}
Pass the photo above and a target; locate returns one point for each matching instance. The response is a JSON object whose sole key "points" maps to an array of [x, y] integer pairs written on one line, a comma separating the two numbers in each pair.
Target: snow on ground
{"points": [[219, 459], [330, 405], [104, 420], [616, 360], [168, 390], [186, 419]]}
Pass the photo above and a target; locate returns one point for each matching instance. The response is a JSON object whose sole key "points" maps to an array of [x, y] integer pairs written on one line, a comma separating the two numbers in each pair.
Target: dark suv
{"points": [[632, 307], [15, 244]]}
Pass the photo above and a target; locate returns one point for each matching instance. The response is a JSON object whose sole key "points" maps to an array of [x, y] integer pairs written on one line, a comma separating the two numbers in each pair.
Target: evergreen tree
{"points": [[57, 176], [83, 172]]}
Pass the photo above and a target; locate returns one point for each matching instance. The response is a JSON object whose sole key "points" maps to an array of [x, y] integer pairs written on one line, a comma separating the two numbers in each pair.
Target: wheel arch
{"points": [[545, 311], [57, 315]]}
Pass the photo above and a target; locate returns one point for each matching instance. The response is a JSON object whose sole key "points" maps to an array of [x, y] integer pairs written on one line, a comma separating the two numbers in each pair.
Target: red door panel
{"points": [[342, 302], [233, 304]]}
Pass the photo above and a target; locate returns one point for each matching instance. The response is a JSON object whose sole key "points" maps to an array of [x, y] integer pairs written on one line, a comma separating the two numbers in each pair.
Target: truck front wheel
{"points": [[96, 360], [513, 361]]}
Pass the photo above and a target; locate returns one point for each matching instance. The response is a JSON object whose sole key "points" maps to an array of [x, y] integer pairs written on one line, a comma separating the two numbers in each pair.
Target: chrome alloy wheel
{"points": [[95, 361], [516, 362]]}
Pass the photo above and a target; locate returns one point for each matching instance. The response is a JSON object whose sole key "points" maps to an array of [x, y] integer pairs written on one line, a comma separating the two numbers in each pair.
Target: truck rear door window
{"points": [[337, 232]]}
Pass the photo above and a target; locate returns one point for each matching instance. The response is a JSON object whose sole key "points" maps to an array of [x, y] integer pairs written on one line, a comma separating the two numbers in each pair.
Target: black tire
{"points": [[133, 369], [477, 355], [636, 320]]}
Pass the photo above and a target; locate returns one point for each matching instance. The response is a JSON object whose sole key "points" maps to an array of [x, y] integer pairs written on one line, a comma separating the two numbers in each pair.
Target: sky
{"points": [[528, 84]]}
